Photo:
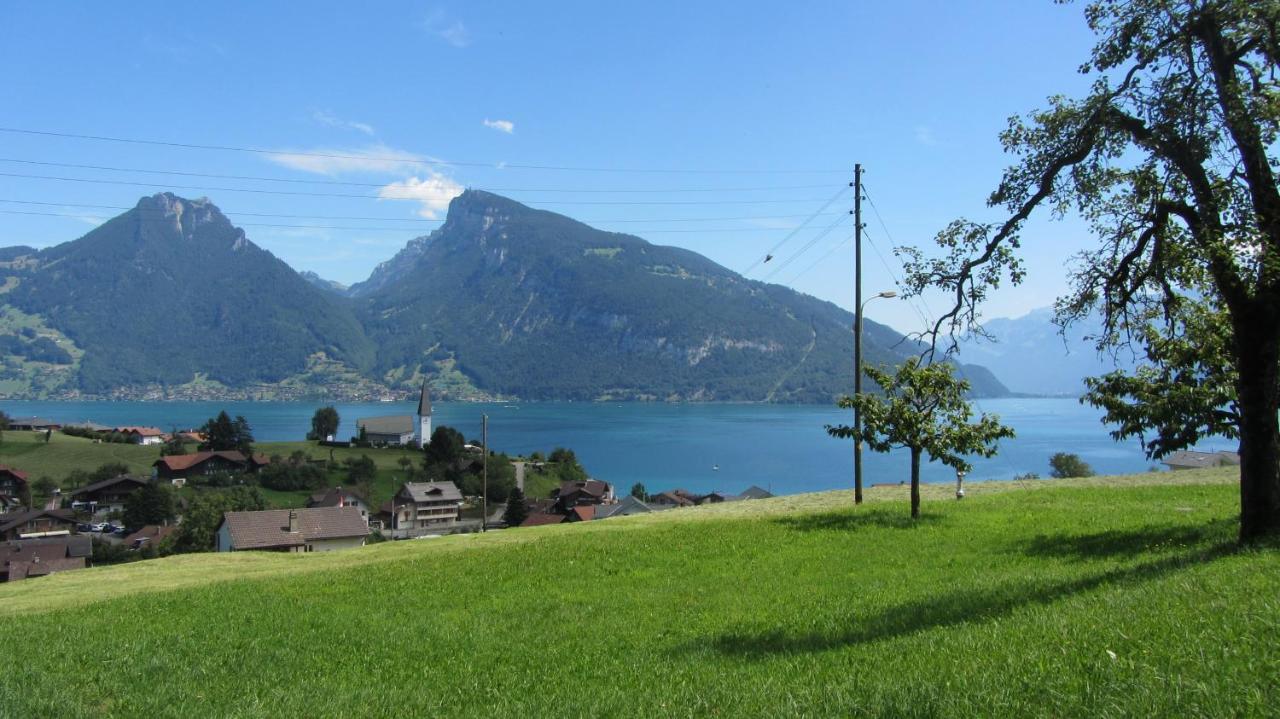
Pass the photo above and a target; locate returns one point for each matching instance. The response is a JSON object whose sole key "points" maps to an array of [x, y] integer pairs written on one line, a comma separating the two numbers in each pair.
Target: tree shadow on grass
{"points": [[952, 608], [853, 520], [1128, 542]]}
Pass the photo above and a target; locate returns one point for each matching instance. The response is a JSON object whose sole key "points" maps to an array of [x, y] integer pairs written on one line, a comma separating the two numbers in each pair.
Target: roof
{"points": [[103, 484], [19, 569], [16, 519], [430, 492], [538, 519], [593, 487], [424, 402], [71, 545], [331, 497], [153, 532], [4, 469], [180, 462], [583, 514], [671, 498], [754, 492], [391, 424], [144, 431], [269, 529], [1196, 460], [628, 505], [32, 422]]}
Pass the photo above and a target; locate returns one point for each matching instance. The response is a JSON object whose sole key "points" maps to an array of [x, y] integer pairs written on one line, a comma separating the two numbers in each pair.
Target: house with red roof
{"points": [[176, 468], [142, 435]]}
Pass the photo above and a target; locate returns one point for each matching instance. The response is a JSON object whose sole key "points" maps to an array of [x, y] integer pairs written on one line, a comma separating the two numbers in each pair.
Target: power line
{"points": [[411, 160], [804, 249], [380, 196], [819, 261], [346, 183], [769, 255]]}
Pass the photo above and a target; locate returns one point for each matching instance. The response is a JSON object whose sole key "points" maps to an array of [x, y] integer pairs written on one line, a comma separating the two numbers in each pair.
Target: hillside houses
{"points": [[178, 468], [13, 486], [321, 529], [339, 497], [106, 496], [30, 523], [142, 435], [422, 508], [29, 558]]}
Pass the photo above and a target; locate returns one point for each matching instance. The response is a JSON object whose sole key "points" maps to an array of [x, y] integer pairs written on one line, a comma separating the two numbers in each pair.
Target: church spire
{"points": [[424, 402]]}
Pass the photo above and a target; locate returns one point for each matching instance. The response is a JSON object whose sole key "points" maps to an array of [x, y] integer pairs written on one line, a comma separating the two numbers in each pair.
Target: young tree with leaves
{"points": [[1171, 158], [324, 423], [923, 409]]}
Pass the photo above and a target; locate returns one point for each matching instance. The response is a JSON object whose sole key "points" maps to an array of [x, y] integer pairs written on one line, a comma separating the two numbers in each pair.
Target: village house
{"points": [[150, 535], [577, 494], [1199, 460], [106, 496], [28, 523], [339, 497], [322, 529], [717, 498], [423, 507], [754, 492], [674, 498], [142, 435], [177, 468], [538, 519], [13, 485], [33, 424], [29, 558]]}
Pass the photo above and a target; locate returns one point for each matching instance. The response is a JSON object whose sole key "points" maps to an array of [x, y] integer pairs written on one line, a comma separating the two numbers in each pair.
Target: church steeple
{"points": [[424, 402], [423, 425]]}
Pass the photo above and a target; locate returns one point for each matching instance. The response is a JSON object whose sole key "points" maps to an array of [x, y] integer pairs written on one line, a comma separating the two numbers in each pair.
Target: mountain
{"points": [[327, 285], [169, 300], [528, 303], [1031, 355], [170, 291]]}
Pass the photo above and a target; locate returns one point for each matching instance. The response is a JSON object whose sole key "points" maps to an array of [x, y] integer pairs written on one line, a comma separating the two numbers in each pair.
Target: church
{"points": [[401, 429]]}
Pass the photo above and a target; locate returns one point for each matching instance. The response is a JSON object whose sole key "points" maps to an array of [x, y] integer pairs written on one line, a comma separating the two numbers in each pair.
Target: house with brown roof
{"points": [[577, 494], [34, 424], [339, 497], [142, 435], [28, 523], [321, 529], [29, 558], [150, 535], [13, 485], [674, 498], [423, 507], [537, 519], [177, 468], [108, 495]]}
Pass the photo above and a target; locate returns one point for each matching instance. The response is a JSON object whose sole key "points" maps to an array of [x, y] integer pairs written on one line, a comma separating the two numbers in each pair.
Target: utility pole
{"points": [[857, 330], [484, 473]]}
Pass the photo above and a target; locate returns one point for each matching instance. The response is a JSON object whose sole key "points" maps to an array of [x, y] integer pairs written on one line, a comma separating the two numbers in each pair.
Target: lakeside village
{"points": [[210, 489]]}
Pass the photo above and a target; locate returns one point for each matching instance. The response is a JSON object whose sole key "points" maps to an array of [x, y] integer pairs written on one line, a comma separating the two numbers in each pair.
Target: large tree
{"points": [[1170, 157], [324, 423], [924, 410], [223, 433]]}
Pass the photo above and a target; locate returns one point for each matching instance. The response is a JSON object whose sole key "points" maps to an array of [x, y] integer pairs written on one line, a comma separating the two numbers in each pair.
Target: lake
{"points": [[780, 447]]}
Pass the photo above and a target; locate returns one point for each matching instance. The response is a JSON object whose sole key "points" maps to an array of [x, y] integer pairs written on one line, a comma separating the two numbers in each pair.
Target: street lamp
{"points": [[857, 392]]}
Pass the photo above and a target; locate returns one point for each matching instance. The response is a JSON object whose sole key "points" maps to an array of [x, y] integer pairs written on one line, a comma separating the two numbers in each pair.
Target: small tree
{"points": [[175, 445], [639, 492], [516, 512], [923, 410], [149, 504], [223, 433], [324, 423], [1069, 465]]}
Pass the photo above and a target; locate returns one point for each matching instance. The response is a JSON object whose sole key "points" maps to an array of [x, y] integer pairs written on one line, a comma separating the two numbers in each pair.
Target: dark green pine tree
{"points": [[516, 512]]}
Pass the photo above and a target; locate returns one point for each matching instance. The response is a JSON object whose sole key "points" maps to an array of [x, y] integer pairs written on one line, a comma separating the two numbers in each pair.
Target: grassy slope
{"points": [[28, 452], [1010, 603]]}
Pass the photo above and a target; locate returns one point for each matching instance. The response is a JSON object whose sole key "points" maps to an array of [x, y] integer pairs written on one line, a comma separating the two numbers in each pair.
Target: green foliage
{"points": [[152, 503], [293, 474], [360, 470], [173, 446], [1069, 465], [108, 470], [223, 433], [516, 512], [444, 447], [924, 410], [40, 349], [201, 520], [324, 423], [639, 492], [4, 424]]}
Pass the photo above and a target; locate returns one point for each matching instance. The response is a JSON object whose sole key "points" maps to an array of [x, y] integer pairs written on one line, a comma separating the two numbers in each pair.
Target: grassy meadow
{"points": [[1113, 596]]}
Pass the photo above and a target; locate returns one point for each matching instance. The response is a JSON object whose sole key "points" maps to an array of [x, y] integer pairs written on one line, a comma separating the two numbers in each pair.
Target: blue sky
{"points": [[719, 127]]}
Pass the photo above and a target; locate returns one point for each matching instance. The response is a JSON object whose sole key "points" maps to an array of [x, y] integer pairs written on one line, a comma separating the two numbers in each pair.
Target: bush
{"points": [[1069, 465]]}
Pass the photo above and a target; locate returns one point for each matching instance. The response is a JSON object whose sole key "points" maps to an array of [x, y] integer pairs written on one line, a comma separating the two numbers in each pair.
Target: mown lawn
{"points": [[56, 459], [1110, 597]]}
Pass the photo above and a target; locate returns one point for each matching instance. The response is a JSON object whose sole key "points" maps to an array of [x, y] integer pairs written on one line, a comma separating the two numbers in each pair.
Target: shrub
{"points": [[1069, 465]]}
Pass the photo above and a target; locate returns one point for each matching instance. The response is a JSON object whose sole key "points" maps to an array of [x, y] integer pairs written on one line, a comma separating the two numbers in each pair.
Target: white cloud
{"points": [[433, 192], [925, 136], [335, 161], [453, 32], [324, 117], [506, 126]]}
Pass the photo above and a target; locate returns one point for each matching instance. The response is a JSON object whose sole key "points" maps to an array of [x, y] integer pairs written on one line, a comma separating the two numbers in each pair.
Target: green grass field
{"points": [[1105, 597], [28, 452]]}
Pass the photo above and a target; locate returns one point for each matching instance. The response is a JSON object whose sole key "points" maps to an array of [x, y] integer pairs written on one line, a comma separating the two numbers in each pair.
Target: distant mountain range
{"points": [[1031, 355], [170, 300]]}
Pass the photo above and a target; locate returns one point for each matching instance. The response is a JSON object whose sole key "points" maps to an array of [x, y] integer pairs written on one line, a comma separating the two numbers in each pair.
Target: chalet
{"points": [[13, 484], [29, 523], [142, 435], [321, 529], [108, 495], [421, 507], [576, 494], [717, 498], [339, 497], [1200, 460], [29, 558], [176, 468]]}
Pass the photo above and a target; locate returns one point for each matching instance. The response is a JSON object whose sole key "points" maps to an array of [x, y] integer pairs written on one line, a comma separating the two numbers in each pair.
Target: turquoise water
{"points": [[780, 447]]}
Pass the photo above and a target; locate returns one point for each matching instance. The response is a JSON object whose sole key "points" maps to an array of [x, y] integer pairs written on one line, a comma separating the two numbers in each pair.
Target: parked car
{"points": [[84, 527], [98, 527]]}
